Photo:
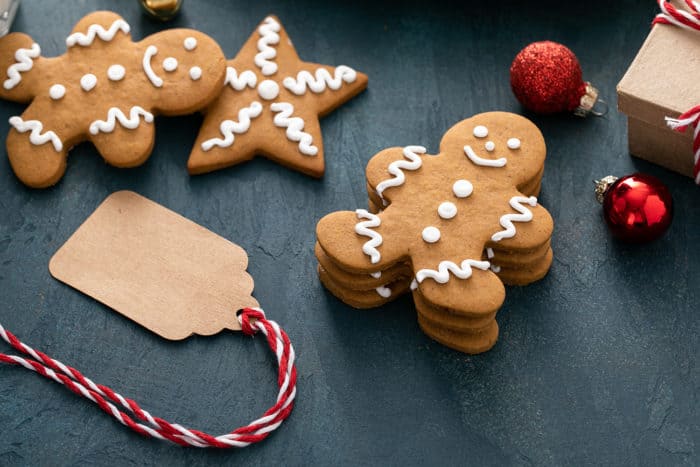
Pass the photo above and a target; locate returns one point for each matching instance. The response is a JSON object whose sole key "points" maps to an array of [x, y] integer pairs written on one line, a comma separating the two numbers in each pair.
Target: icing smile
{"points": [[151, 50], [501, 162]]}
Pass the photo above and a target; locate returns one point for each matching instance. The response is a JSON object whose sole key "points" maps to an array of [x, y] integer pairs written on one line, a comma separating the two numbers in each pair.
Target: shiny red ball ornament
{"points": [[546, 78], [638, 208]]}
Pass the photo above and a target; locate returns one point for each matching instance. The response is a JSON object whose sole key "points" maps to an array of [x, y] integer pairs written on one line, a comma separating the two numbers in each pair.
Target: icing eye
{"points": [[57, 91], [480, 131], [268, 89], [190, 43], [490, 146], [116, 72], [513, 143], [195, 73], [447, 210], [431, 234], [462, 188], [170, 64], [88, 81]]}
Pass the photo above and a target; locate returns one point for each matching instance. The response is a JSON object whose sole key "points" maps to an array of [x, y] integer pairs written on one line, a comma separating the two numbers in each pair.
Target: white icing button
{"points": [[195, 73], [447, 210], [190, 43], [87, 82], [490, 146], [268, 89], [116, 72], [431, 234], [170, 64], [513, 143], [462, 188], [57, 91], [480, 131]]}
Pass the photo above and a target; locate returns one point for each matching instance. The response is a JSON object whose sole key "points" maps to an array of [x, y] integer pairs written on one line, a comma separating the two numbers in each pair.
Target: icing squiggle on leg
{"points": [[36, 137], [229, 127], [294, 126], [442, 275], [115, 114]]}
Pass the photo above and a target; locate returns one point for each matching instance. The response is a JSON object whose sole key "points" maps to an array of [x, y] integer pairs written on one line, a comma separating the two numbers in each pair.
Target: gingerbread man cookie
{"points": [[451, 227], [271, 105], [105, 89]]}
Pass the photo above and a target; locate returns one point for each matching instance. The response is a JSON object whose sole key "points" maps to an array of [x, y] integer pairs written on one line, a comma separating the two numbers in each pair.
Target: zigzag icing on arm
{"points": [[294, 127], [36, 137], [363, 228], [24, 63], [97, 30], [395, 168], [114, 114], [320, 81], [484, 162], [228, 127], [268, 36], [239, 82], [442, 275], [516, 202]]}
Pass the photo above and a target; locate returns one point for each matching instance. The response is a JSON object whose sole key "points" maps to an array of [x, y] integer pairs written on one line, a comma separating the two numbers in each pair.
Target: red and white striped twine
{"points": [[251, 319], [687, 20]]}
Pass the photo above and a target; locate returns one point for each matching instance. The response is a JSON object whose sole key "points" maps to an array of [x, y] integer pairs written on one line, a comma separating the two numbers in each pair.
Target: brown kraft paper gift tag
{"points": [[157, 268]]}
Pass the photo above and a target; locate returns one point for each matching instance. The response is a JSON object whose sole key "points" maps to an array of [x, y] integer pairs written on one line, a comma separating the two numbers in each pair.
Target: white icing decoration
{"points": [[363, 228], [170, 64], [229, 127], [114, 114], [268, 32], [447, 210], [414, 284], [384, 292], [98, 30], [489, 253], [247, 78], [268, 89], [294, 127], [442, 275], [480, 131], [376, 275], [495, 268], [116, 72], [195, 73], [190, 43], [57, 91], [513, 143], [490, 146], [24, 63], [151, 50], [483, 162], [462, 188], [88, 82], [516, 202], [431, 234], [396, 168], [36, 137], [317, 83]]}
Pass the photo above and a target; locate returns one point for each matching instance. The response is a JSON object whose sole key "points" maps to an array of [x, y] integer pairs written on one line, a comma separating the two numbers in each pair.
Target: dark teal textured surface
{"points": [[596, 364]]}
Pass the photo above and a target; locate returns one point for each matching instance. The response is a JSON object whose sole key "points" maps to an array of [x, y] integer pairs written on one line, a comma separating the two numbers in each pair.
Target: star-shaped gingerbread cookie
{"points": [[271, 104]]}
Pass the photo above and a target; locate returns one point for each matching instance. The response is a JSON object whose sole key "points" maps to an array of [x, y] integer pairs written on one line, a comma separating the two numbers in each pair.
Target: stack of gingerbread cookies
{"points": [[451, 227]]}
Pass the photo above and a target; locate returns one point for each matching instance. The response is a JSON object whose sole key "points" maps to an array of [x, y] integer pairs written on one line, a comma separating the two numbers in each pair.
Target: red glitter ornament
{"points": [[638, 208], [546, 78]]}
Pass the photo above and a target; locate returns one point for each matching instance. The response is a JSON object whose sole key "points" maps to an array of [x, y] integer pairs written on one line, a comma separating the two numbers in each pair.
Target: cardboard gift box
{"points": [[662, 81]]}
